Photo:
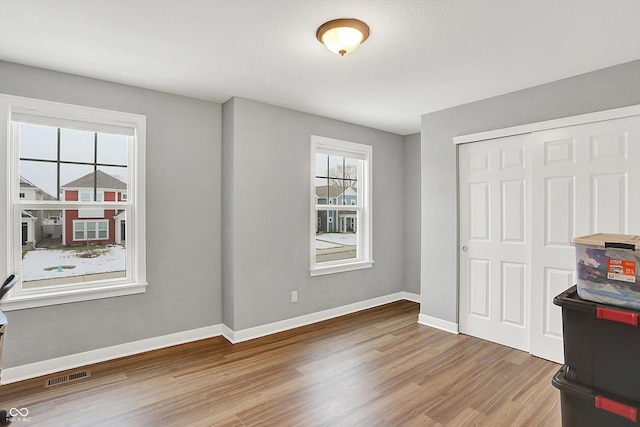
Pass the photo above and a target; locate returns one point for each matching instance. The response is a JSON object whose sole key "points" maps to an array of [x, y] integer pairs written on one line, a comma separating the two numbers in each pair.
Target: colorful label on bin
{"points": [[622, 270]]}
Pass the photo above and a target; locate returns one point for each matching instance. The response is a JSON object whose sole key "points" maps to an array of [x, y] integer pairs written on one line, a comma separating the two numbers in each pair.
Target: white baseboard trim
{"points": [[434, 322], [307, 319], [64, 363], [46, 367], [227, 333], [410, 296]]}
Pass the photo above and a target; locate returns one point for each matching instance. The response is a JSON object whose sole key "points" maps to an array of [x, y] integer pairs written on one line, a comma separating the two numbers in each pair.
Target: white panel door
{"points": [[495, 239], [586, 179]]}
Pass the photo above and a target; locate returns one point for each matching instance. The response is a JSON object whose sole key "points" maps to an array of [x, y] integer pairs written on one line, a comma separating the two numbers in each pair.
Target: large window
{"points": [[340, 206], [75, 165]]}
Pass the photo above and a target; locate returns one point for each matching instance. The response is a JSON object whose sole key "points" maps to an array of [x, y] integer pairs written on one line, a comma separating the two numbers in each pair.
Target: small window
{"points": [[90, 230], [88, 196], [340, 229]]}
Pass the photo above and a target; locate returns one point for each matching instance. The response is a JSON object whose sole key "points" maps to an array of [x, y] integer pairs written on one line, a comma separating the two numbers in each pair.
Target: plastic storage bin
{"points": [[608, 268], [589, 407], [601, 344]]}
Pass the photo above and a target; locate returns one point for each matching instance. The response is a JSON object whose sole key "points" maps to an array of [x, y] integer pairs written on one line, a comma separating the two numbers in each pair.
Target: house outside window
{"points": [[74, 163], [341, 220]]}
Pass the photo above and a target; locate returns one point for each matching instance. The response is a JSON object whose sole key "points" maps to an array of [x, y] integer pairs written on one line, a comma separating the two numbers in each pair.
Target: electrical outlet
{"points": [[294, 296]]}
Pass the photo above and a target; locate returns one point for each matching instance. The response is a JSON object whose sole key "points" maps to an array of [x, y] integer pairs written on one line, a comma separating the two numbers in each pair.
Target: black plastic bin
{"points": [[601, 345], [589, 407]]}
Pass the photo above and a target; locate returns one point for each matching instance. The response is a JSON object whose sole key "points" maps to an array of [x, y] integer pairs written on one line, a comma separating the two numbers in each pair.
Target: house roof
{"points": [[321, 191], [103, 180], [25, 183]]}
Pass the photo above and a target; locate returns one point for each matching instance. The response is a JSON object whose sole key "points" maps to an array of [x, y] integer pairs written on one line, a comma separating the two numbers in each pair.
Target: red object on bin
{"points": [[626, 411], [617, 316]]}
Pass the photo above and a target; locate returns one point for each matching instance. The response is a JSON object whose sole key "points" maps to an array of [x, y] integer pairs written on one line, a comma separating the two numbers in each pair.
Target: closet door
{"points": [[586, 180], [495, 240]]}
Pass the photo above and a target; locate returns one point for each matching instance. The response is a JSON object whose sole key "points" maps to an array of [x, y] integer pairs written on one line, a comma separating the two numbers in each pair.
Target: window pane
{"points": [[38, 180], [103, 230], [321, 165], [38, 142], [78, 231], [336, 167], [74, 179], [54, 264], [39, 226], [336, 235], [76, 145], [350, 170], [343, 180], [322, 191], [113, 149], [91, 230], [113, 179], [352, 197]]}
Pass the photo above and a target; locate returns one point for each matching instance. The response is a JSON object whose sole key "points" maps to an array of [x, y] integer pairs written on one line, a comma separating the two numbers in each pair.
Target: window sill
{"points": [[340, 268], [55, 297]]}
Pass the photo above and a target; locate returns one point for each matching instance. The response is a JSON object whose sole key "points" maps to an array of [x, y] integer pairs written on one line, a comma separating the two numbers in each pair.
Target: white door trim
{"points": [[598, 116]]}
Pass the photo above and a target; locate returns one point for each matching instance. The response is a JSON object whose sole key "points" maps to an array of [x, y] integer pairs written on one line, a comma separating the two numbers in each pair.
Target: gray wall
{"points": [[228, 123], [269, 224], [604, 89], [183, 184], [412, 213], [256, 208]]}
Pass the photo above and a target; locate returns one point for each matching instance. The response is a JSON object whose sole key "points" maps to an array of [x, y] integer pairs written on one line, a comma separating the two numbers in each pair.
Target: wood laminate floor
{"points": [[377, 367]]}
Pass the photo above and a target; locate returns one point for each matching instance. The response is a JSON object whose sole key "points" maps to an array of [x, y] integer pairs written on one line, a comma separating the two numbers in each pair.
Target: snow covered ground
{"points": [[335, 240], [43, 263]]}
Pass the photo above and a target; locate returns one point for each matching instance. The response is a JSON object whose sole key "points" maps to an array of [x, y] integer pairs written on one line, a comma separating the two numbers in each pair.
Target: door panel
{"points": [[586, 180], [494, 235], [513, 293]]}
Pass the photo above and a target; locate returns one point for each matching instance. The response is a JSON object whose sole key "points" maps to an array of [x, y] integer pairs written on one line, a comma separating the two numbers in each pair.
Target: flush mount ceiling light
{"points": [[342, 36]]}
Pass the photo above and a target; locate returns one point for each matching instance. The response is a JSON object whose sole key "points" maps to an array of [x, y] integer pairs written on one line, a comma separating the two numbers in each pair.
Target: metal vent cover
{"points": [[75, 376]]}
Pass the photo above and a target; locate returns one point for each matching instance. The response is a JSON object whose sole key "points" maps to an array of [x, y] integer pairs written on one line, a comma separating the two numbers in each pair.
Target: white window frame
{"points": [[15, 109], [363, 207]]}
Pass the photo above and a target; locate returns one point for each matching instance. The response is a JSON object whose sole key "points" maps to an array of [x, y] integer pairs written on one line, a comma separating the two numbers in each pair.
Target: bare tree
{"points": [[343, 176]]}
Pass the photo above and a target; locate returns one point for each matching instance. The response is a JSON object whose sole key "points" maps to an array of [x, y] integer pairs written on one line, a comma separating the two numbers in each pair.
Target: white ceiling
{"points": [[421, 56]]}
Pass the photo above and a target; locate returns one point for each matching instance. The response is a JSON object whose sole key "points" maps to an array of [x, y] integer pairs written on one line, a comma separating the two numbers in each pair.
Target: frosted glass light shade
{"points": [[342, 36]]}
